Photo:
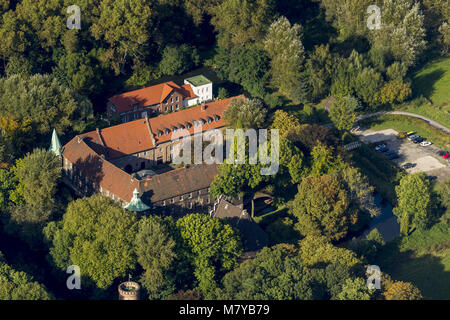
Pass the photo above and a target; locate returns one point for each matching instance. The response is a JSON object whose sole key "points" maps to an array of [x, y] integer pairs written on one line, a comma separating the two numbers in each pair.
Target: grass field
{"points": [[405, 123], [423, 259], [433, 83]]}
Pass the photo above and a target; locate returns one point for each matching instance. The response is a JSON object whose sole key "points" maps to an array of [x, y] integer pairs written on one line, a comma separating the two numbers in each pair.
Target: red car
{"points": [[446, 155]]}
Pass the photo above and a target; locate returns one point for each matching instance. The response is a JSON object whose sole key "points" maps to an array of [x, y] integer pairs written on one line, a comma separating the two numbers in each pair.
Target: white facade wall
{"points": [[203, 93]]}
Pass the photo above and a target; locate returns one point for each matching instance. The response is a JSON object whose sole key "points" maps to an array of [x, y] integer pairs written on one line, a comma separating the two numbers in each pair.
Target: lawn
{"points": [[431, 82], [423, 259], [405, 123]]}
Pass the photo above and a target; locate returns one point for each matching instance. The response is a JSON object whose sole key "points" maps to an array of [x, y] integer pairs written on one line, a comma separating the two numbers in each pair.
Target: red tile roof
{"points": [[178, 182], [133, 137], [149, 95], [100, 171]]}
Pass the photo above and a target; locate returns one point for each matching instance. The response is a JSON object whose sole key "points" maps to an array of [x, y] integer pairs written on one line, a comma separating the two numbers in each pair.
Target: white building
{"points": [[202, 88]]}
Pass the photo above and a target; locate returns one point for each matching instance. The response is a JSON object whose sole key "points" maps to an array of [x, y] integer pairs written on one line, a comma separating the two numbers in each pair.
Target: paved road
{"points": [[429, 121]]}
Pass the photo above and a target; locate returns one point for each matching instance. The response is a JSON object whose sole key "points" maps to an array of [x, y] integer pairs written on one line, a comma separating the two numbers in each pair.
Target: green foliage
{"points": [[17, 285], [98, 236], [275, 274], [241, 22], [395, 91], [41, 99], [125, 27], [319, 67], [355, 289], [213, 248], [321, 207], [245, 65], [316, 250], [285, 50], [342, 112], [245, 114], [222, 93], [155, 250], [77, 70], [414, 209], [178, 59], [402, 36]]}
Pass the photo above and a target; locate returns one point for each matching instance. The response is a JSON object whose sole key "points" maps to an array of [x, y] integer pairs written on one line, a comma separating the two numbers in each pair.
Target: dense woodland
{"points": [[286, 56]]}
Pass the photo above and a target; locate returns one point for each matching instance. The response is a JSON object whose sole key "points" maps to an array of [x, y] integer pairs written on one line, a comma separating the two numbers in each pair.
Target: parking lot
{"points": [[425, 159]]}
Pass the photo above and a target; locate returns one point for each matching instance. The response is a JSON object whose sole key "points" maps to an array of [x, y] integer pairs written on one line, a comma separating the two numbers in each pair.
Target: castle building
{"points": [[108, 161], [161, 98]]}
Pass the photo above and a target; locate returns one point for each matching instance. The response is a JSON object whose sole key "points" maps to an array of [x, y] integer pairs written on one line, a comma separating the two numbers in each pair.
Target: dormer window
{"points": [[202, 121], [166, 131], [209, 120], [216, 117], [160, 133], [188, 125]]}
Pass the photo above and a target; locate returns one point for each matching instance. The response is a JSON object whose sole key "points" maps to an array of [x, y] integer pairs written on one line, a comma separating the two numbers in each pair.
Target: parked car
{"points": [[408, 165], [425, 143], [412, 137], [418, 140], [381, 148], [432, 177], [410, 133], [445, 155], [393, 156]]}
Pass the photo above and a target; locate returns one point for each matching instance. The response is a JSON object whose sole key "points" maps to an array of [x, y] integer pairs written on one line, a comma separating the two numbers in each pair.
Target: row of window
{"points": [[189, 196]]}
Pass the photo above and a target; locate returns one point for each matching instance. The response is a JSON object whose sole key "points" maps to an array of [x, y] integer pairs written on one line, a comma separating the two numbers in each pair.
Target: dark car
{"points": [[432, 177], [393, 156], [408, 165]]}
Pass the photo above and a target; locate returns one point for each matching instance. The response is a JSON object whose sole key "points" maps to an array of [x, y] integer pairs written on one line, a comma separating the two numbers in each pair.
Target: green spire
{"points": [[136, 203], [55, 145]]}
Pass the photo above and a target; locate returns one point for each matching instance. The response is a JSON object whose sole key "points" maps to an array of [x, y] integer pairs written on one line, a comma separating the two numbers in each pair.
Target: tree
{"points": [[444, 30], [213, 248], [414, 209], [17, 285], [241, 22], [367, 85], [36, 176], [287, 124], [222, 93], [98, 236], [355, 289], [285, 49], [324, 161], [276, 273], [42, 100], [126, 28], [199, 8], [402, 35], [348, 16], [319, 68], [316, 250], [322, 208], [395, 91], [155, 250], [245, 114], [178, 59], [400, 290], [77, 71], [246, 65], [342, 112]]}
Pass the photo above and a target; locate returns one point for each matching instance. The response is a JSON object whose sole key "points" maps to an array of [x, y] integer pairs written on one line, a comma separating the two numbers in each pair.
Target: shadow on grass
{"points": [[424, 84], [426, 271]]}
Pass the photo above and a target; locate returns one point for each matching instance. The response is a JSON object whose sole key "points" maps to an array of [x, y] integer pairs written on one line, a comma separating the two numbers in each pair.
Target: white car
{"points": [[425, 143]]}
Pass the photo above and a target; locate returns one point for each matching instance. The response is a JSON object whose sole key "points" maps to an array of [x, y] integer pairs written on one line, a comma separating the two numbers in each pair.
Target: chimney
{"points": [[203, 107]]}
